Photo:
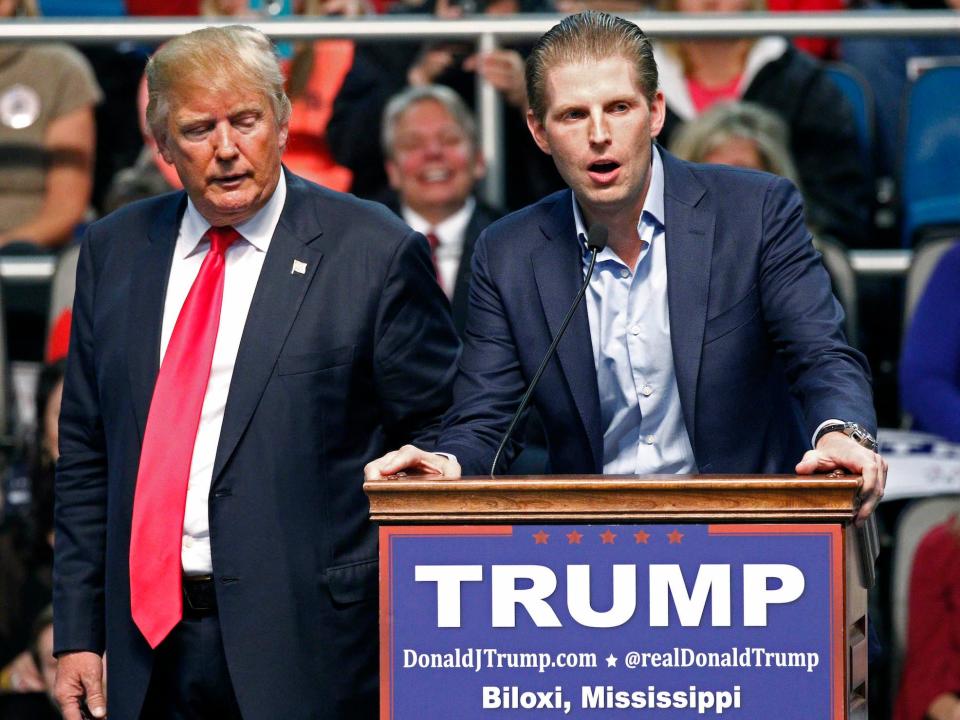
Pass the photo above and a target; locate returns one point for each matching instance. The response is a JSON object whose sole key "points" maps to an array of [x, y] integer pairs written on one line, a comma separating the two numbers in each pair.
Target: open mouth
{"points": [[603, 171], [437, 175]]}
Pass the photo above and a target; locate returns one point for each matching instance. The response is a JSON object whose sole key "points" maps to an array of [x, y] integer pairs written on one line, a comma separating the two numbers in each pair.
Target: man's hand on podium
{"points": [[413, 460], [837, 451]]}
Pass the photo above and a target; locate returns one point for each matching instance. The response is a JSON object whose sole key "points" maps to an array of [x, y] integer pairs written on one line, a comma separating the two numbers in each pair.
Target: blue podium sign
{"points": [[618, 621]]}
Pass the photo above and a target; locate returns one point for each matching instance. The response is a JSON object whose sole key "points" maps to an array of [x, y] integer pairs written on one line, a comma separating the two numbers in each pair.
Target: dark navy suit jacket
{"points": [[758, 348], [336, 366]]}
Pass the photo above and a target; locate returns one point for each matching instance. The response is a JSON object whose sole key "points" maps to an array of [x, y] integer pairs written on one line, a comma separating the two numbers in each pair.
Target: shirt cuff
{"points": [[821, 426]]}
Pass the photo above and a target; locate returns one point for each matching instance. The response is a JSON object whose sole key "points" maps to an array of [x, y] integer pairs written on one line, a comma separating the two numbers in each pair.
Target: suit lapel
{"points": [[276, 302], [558, 268], [690, 233], [147, 292]]}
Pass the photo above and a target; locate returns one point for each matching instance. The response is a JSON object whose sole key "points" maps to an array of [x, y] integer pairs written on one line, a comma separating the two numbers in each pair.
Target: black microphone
{"points": [[596, 241]]}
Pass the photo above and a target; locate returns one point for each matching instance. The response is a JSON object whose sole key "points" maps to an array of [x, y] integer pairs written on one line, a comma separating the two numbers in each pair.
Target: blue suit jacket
{"points": [[336, 366], [758, 349]]}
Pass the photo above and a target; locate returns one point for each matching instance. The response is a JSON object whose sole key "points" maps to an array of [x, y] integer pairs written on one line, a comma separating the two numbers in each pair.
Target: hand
{"points": [[430, 65], [836, 450], [410, 458], [23, 675], [80, 679], [504, 70]]}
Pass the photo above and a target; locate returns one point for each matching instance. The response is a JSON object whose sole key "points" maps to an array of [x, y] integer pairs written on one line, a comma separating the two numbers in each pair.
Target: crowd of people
{"points": [[393, 123]]}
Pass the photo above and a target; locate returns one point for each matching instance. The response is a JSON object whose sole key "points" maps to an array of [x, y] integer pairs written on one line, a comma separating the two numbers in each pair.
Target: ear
{"points": [[282, 135], [538, 131], [164, 149], [393, 174], [658, 113]]}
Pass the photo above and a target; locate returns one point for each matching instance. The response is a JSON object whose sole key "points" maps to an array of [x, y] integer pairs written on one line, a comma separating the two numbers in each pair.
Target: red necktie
{"points": [[434, 242], [156, 595]]}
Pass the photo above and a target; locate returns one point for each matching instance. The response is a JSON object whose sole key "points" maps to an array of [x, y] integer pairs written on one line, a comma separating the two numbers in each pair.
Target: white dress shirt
{"points": [[450, 235], [643, 427], [244, 259]]}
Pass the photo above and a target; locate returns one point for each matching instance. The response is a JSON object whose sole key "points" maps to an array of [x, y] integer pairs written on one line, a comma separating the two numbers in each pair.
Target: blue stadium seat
{"points": [[930, 170], [82, 8], [860, 96]]}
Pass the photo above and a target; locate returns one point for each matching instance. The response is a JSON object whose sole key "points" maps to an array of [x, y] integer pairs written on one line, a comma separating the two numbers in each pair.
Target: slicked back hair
{"points": [[589, 36], [214, 59]]}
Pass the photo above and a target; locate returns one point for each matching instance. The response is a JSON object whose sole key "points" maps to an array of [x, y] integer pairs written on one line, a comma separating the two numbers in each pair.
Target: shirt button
{"points": [[188, 542], [634, 329], [649, 439], [646, 390], [624, 273]]}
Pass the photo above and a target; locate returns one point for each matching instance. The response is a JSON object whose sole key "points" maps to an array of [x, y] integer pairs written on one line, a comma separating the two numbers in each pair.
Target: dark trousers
{"points": [[190, 680]]}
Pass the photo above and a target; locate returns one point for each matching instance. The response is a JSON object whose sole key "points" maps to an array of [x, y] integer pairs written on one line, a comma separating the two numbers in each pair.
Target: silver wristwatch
{"points": [[851, 429]]}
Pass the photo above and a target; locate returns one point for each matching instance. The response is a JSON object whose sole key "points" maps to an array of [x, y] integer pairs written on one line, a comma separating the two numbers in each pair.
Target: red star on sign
{"points": [[675, 537], [574, 538], [607, 537], [641, 537], [541, 537]]}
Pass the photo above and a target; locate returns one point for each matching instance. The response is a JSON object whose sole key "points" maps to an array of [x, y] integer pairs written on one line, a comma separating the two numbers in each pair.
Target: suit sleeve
{"points": [[80, 515], [805, 321], [415, 358], [490, 382]]}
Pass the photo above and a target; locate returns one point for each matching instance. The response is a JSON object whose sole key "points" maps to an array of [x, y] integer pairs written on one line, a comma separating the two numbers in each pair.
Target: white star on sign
{"points": [[611, 660]]}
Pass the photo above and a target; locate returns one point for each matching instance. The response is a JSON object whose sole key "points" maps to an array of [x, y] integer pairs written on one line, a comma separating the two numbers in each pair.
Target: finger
{"points": [[373, 470], [808, 463], [96, 700], [408, 457]]}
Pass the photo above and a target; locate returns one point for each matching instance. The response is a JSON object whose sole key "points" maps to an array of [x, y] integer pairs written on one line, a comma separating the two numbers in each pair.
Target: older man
{"points": [[433, 163], [709, 340], [239, 351]]}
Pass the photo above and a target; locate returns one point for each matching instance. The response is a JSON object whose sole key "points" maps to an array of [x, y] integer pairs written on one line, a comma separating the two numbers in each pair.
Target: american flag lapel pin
{"points": [[299, 268]]}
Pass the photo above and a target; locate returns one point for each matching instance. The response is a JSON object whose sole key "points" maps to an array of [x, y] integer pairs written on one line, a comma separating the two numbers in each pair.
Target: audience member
{"points": [[26, 540], [433, 162], [314, 77], [770, 72], [742, 134], [930, 363], [931, 670], [47, 95], [381, 70]]}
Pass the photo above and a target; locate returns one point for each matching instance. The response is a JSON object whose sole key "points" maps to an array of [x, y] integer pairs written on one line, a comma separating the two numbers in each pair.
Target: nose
{"points": [[599, 129], [225, 145]]}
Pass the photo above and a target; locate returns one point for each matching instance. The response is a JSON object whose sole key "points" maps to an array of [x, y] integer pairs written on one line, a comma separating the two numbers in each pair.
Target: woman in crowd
{"points": [[931, 670], [769, 71], [737, 133], [47, 138]]}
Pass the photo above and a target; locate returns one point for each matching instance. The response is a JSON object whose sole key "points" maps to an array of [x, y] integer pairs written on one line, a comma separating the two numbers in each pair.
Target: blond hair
{"points": [[589, 36], [699, 137], [214, 59]]}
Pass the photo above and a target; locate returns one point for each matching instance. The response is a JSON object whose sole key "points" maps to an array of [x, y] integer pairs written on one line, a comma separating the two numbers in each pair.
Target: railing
{"points": [[489, 32]]}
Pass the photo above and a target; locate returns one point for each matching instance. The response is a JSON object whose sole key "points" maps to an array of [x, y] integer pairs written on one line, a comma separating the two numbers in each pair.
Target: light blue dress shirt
{"points": [[643, 428]]}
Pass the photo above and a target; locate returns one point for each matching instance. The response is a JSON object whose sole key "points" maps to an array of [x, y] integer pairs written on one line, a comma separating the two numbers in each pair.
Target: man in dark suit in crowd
{"points": [[433, 163], [212, 535], [709, 314]]}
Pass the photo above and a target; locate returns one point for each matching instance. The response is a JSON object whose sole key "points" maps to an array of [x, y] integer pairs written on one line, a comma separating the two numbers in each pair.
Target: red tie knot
{"points": [[432, 240], [221, 238]]}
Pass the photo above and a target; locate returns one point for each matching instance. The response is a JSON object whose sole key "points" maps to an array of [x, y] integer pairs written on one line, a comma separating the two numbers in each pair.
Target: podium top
{"points": [[605, 498]]}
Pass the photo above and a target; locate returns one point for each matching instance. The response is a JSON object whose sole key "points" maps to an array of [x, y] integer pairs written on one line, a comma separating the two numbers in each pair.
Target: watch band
{"points": [[852, 430]]}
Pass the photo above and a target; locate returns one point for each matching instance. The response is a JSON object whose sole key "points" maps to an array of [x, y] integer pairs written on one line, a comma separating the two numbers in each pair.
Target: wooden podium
{"points": [[753, 508]]}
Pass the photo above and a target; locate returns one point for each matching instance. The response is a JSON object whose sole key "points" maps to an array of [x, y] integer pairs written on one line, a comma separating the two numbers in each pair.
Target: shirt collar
{"points": [[652, 204], [448, 231], [257, 231]]}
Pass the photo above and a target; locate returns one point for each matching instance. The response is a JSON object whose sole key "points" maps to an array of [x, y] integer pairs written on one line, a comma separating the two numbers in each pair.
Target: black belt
{"points": [[199, 595]]}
